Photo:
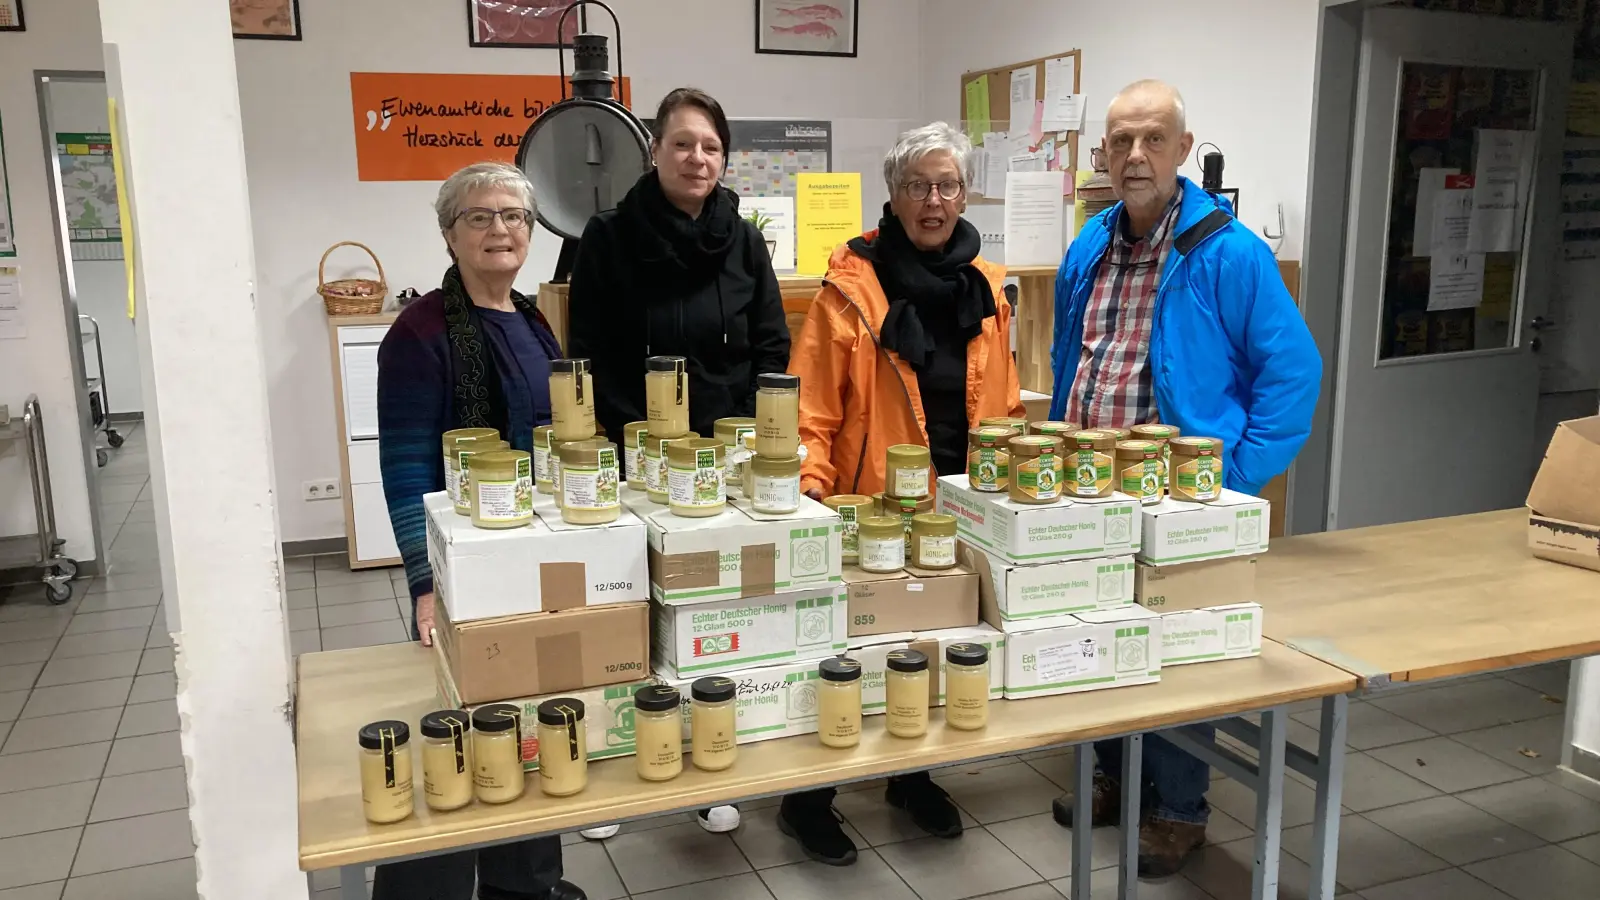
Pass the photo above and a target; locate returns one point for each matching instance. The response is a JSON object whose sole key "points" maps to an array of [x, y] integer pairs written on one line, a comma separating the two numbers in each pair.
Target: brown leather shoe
{"points": [[1165, 846], [1105, 804]]}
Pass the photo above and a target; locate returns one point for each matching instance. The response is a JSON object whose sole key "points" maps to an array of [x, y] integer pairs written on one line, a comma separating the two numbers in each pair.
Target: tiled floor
{"points": [[1451, 792]]}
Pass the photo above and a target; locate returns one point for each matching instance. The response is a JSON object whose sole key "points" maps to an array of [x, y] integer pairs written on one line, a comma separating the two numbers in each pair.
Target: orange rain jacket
{"points": [[858, 398]]}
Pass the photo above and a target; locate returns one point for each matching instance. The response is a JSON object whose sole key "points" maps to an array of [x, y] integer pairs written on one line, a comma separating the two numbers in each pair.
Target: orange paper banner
{"points": [[421, 127]]}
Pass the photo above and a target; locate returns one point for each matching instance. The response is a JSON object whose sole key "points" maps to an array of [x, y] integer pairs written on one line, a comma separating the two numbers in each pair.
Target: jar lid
{"points": [[1035, 444], [908, 661], [839, 668], [990, 435], [462, 435], [913, 453], [496, 717], [633, 429], [1195, 445], [935, 522], [1093, 438], [569, 366], [665, 363], [713, 689], [778, 381], [656, 698], [684, 449], [371, 735], [966, 654], [648, 440], [445, 723], [775, 465], [586, 453], [726, 429], [1143, 448], [881, 526], [495, 459], [838, 500], [1156, 430], [1008, 421], [1051, 427], [561, 711], [481, 446]]}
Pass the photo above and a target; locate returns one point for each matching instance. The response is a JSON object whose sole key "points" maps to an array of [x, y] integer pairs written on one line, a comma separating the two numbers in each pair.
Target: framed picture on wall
{"points": [[519, 23], [808, 27], [11, 15], [265, 20]]}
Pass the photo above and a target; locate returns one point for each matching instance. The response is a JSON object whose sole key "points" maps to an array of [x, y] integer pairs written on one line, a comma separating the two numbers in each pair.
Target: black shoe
{"points": [[930, 807], [1105, 803], [566, 890], [817, 829]]}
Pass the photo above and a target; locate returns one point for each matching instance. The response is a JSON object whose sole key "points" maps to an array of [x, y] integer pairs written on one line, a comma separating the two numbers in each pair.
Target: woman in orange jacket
{"points": [[907, 343]]}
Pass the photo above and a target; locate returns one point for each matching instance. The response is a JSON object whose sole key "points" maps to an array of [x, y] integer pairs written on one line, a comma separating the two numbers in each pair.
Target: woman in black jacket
{"points": [[674, 271]]}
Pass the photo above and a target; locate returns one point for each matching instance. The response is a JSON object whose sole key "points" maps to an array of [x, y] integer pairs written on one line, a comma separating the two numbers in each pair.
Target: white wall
{"points": [[1244, 67], [62, 34], [305, 196]]}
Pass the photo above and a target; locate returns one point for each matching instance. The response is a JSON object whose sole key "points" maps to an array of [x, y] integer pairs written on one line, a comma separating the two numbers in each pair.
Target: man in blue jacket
{"points": [[1169, 309]]}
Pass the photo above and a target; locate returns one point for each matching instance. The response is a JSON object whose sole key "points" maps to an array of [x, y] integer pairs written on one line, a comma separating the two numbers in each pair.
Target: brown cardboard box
{"points": [[912, 600], [1196, 585], [546, 653], [1564, 502], [1564, 542]]}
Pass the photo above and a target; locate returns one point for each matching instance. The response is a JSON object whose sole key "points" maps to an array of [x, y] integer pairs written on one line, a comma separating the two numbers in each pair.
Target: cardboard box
{"points": [[1564, 502], [1106, 648], [934, 643], [1207, 635], [608, 714], [724, 635], [1196, 585], [1019, 533], [1234, 525], [911, 600], [484, 573], [546, 653], [742, 554], [1022, 598]]}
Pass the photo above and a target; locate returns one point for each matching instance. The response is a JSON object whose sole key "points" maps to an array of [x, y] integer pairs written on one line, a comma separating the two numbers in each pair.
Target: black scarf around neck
{"points": [[478, 395], [668, 234], [922, 284]]}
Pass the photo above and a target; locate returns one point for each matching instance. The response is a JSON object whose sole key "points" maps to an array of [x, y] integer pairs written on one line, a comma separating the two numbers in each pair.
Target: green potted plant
{"points": [[761, 220]]}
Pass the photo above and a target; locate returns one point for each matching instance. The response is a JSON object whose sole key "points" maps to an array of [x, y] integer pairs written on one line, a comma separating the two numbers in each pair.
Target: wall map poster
{"points": [[89, 188]]}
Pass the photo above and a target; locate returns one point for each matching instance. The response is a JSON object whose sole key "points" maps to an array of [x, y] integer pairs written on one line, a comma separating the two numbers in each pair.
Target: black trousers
{"points": [[525, 870], [824, 796]]}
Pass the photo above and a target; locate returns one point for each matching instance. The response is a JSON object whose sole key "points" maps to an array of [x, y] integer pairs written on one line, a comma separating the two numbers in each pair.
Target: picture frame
{"points": [[265, 20], [11, 16], [522, 24], [808, 27]]}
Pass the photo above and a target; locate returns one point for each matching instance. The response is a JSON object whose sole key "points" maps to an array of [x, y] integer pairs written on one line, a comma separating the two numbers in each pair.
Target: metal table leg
{"points": [[353, 882], [1083, 819], [1269, 803], [1330, 789], [1128, 844]]}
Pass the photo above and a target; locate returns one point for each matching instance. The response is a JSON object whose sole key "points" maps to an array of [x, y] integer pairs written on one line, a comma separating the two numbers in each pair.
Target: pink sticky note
{"points": [[1036, 127]]}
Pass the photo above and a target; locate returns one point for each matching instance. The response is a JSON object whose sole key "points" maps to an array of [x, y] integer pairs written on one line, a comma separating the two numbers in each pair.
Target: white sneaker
{"points": [[601, 833], [719, 819]]}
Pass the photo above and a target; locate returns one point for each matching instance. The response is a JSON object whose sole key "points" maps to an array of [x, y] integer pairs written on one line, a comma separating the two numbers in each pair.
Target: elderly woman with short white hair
{"points": [[472, 354]]}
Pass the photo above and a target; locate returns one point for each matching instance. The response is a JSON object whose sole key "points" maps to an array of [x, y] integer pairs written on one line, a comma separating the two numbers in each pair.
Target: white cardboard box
{"points": [[742, 554], [1207, 635], [1234, 525], [695, 639], [933, 643], [1079, 528], [1106, 648], [1015, 597], [483, 573]]}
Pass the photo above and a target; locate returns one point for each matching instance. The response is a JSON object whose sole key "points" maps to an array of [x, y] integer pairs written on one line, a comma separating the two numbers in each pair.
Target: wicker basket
{"points": [[352, 296]]}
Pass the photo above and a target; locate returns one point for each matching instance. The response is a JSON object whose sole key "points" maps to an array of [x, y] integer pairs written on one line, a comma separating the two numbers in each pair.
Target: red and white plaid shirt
{"points": [[1114, 387]]}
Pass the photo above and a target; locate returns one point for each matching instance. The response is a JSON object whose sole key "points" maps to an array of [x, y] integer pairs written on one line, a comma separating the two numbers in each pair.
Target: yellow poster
{"points": [[827, 213], [1583, 110], [978, 108]]}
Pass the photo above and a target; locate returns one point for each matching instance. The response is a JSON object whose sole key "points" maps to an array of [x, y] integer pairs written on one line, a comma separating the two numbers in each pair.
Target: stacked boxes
{"points": [[1196, 568]]}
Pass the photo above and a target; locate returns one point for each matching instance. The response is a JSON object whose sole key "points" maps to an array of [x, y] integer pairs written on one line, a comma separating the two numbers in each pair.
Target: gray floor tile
{"points": [[1449, 884], [1368, 726], [11, 704], [672, 856], [331, 562], [587, 866], [1453, 830], [1469, 706], [1238, 801], [1057, 768], [48, 891], [1371, 784], [139, 794], [1586, 847], [1540, 807], [1368, 854], [1549, 873], [156, 659], [869, 877], [1447, 765], [1047, 847], [305, 642], [139, 841], [1577, 784], [30, 603], [171, 880], [1040, 891], [36, 651], [92, 623], [301, 599], [48, 732], [46, 856], [877, 822], [148, 718], [1223, 828], [1550, 678], [159, 635], [134, 599], [998, 793], [299, 563], [1533, 746], [739, 887], [101, 642], [54, 701], [367, 634], [357, 613], [126, 581], [149, 688], [1105, 888], [45, 768], [341, 577], [141, 754], [32, 630], [938, 869], [359, 592], [303, 619], [75, 669], [1224, 871], [45, 809], [759, 839], [299, 581]]}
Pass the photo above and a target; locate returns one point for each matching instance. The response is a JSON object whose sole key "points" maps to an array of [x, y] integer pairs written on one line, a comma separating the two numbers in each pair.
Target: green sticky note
{"points": [[978, 108]]}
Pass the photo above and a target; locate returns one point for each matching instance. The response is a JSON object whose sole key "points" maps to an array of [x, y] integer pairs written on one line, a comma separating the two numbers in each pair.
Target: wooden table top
{"points": [[340, 691], [1429, 599]]}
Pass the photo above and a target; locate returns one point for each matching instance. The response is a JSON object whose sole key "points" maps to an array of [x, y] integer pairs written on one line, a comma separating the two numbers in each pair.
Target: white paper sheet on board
{"points": [[1035, 218], [1451, 227], [1062, 111], [1503, 176], [1455, 281], [1022, 100], [780, 210], [1429, 183], [997, 155], [11, 323]]}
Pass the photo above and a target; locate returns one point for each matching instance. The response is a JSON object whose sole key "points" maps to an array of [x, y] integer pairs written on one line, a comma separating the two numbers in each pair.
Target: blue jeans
{"points": [[1175, 783]]}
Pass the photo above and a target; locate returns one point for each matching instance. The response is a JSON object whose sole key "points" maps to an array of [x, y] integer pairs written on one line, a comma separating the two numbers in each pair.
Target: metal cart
{"points": [[42, 549], [99, 394]]}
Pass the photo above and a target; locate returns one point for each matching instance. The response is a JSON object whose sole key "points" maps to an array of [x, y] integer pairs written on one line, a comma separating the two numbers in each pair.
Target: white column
{"points": [[170, 66]]}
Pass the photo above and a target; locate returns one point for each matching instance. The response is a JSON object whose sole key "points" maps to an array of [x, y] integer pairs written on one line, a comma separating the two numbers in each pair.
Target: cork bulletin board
{"points": [[1000, 102]]}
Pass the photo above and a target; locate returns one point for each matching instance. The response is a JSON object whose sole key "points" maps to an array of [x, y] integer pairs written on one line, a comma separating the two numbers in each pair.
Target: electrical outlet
{"points": [[321, 489]]}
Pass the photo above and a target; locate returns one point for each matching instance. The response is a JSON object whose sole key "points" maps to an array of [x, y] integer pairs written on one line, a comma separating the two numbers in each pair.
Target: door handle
{"points": [[1540, 323]]}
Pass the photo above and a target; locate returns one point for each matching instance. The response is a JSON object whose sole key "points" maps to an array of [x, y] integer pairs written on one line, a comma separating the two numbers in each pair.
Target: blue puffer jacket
{"points": [[1232, 356]]}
